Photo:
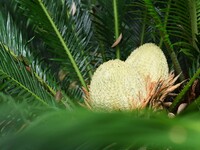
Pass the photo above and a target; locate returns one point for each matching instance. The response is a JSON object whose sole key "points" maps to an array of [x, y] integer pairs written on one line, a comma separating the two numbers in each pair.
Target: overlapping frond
{"points": [[17, 80], [198, 14], [79, 45], [177, 22], [64, 32], [18, 77], [182, 25], [161, 23], [140, 24], [110, 21]]}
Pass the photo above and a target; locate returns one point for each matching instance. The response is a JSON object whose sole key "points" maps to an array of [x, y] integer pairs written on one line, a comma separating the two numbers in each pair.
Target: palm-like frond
{"points": [[184, 26], [140, 25], [109, 26], [198, 14], [79, 41], [17, 78], [163, 32], [9, 123], [177, 22], [62, 34]]}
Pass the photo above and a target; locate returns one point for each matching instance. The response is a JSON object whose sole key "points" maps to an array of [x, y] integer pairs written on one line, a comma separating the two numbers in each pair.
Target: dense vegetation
{"points": [[49, 51]]}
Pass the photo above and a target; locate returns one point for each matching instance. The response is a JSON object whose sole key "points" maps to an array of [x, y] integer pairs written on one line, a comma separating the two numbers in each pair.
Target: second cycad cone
{"points": [[149, 61]]}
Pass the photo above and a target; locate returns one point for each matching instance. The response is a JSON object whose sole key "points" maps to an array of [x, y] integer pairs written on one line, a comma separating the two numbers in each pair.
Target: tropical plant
{"points": [[49, 51]]}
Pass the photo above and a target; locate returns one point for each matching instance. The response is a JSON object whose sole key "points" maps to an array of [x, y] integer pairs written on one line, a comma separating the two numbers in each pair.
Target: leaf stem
{"points": [[42, 82], [193, 105], [179, 97], [89, 69], [22, 86], [143, 29], [116, 27]]}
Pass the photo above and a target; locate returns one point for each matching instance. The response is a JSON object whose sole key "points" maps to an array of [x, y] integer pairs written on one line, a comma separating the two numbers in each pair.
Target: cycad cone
{"points": [[149, 60], [116, 86]]}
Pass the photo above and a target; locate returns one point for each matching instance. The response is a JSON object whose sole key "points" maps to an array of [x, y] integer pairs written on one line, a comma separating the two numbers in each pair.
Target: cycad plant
{"points": [[50, 50]]}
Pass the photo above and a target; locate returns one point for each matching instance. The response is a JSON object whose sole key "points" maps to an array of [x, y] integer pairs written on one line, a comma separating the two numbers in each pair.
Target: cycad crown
{"points": [[142, 80]]}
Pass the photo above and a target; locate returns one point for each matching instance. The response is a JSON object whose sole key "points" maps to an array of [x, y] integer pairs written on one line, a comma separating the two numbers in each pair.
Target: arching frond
{"points": [[177, 21], [18, 78], [140, 24], [50, 48], [198, 14], [64, 32], [182, 25], [161, 25], [110, 22]]}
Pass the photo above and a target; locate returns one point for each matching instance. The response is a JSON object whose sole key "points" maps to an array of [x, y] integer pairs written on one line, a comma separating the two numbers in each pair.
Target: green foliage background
{"points": [[50, 47]]}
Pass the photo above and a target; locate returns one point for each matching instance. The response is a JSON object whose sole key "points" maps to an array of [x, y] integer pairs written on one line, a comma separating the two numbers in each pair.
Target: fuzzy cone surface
{"points": [[116, 86], [149, 60]]}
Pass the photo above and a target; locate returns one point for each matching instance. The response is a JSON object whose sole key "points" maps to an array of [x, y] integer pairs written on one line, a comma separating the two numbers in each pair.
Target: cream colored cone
{"points": [[116, 86], [150, 61]]}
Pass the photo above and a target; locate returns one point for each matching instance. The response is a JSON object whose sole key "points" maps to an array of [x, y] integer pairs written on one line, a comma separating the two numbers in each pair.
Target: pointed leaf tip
{"points": [[118, 40], [73, 9], [58, 95]]}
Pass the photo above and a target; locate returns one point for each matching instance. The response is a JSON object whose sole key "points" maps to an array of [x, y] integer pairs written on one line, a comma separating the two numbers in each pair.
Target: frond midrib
{"points": [[42, 82], [73, 62], [22, 86]]}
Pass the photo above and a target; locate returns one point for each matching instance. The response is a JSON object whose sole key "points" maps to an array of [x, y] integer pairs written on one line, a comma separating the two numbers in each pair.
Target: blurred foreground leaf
{"points": [[88, 130]]}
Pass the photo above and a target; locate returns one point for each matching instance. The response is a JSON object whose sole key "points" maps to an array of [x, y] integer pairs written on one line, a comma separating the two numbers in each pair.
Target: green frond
{"points": [[195, 66], [17, 81], [63, 33], [198, 14], [140, 25], [161, 26], [184, 25], [18, 77], [108, 27], [177, 21]]}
